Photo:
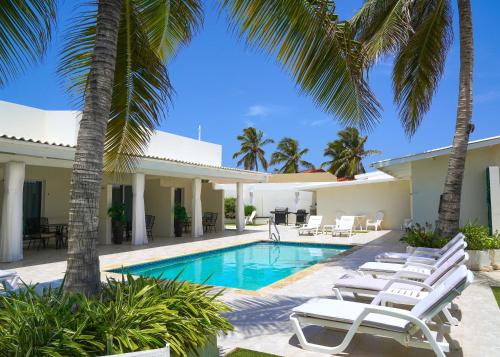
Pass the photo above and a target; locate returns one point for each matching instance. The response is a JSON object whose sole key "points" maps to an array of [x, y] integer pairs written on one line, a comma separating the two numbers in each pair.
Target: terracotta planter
{"points": [[118, 229], [495, 258], [479, 260], [178, 227]]}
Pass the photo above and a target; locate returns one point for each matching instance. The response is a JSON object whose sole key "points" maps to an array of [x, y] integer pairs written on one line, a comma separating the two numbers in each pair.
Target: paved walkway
{"points": [[261, 318]]}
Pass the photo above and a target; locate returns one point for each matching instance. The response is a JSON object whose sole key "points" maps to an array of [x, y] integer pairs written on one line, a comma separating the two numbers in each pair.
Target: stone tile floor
{"points": [[261, 318]]}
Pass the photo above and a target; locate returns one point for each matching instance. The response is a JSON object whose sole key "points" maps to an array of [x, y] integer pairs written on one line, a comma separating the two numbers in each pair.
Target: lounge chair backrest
{"points": [[452, 241], [442, 295], [252, 216], [314, 221], [455, 248], [346, 222], [460, 257], [338, 216]]}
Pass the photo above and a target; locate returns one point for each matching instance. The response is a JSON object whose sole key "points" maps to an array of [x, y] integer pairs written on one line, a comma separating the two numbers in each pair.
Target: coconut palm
{"points": [[347, 154], [27, 27], [289, 154], [251, 152], [418, 34]]}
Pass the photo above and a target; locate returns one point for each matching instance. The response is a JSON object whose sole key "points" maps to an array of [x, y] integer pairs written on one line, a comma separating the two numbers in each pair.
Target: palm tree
{"points": [[290, 155], [251, 143], [418, 34], [347, 154]]}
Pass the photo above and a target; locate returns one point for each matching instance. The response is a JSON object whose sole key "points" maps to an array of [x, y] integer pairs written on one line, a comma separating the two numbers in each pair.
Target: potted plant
{"points": [[478, 245], [117, 214], [421, 236], [180, 216]]}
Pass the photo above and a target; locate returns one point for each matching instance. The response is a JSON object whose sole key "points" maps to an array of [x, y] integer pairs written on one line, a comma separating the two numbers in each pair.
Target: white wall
{"points": [[61, 127], [428, 181], [393, 198]]}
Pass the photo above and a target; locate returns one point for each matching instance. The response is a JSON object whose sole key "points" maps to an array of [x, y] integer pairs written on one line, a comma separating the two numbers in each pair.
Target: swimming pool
{"points": [[249, 266]]}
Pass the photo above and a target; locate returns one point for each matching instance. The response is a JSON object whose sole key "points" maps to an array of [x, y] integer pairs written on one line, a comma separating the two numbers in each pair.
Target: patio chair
{"points": [[312, 225], [10, 280], [300, 217], [187, 225], [409, 328], [159, 352], [414, 266], [150, 222], [398, 287], [376, 222], [37, 230], [281, 215], [209, 221], [421, 252], [345, 225], [249, 219]]}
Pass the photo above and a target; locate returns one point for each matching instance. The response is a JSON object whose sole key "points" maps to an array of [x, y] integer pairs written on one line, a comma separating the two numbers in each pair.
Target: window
{"points": [[178, 196]]}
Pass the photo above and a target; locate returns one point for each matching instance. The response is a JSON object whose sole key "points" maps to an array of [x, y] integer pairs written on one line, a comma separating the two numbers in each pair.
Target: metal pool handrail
{"points": [[272, 235]]}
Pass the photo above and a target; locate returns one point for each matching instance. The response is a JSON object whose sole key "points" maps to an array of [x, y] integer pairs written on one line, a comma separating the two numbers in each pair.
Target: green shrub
{"points": [[230, 207], [249, 209], [419, 236], [478, 237], [180, 213], [129, 315]]}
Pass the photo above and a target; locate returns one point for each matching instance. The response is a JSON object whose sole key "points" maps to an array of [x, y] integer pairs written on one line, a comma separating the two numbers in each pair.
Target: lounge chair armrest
{"points": [[420, 265], [422, 260], [426, 250], [410, 274], [389, 311], [385, 297], [420, 284]]}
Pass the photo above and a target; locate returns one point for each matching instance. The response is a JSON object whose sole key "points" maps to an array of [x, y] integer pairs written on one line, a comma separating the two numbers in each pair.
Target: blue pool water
{"points": [[249, 266]]}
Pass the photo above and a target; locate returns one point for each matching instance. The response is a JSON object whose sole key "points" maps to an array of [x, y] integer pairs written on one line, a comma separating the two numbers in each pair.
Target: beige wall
{"points": [[213, 201], [393, 198], [428, 180], [158, 202]]}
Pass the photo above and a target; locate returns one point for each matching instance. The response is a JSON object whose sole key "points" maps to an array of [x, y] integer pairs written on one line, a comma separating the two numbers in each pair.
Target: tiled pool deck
{"points": [[261, 317]]}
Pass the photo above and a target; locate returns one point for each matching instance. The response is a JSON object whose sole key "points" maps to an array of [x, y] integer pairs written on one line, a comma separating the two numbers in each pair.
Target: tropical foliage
{"points": [[26, 30], [347, 154], [418, 35], [129, 315], [290, 156], [251, 149]]}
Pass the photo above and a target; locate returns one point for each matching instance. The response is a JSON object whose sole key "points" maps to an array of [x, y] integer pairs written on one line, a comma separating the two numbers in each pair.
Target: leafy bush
{"points": [[419, 236], [180, 213], [129, 315], [230, 207], [249, 209], [478, 237]]}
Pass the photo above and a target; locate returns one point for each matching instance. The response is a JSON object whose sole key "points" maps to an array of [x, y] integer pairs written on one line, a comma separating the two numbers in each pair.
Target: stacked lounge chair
{"points": [[427, 285]]}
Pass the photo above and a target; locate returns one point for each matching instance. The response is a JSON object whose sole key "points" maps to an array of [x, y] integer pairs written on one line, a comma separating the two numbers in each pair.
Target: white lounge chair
{"points": [[159, 352], [313, 225], [10, 280], [421, 252], [376, 222], [345, 225], [249, 219], [409, 328], [415, 266]]}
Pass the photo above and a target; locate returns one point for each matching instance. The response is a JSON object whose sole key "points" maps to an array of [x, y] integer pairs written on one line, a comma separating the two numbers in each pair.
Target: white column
{"points": [[11, 231], [196, 214], [139, 235], [240, 208], [494, 175], [170, 216]]}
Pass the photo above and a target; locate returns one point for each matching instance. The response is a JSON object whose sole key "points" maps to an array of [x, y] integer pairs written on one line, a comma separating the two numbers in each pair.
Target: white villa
{"points": [[36, 155]]}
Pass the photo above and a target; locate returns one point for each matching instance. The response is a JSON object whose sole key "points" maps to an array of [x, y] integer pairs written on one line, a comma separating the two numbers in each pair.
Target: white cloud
{"points": [[491, 96], [264, 111], [320, 122]]}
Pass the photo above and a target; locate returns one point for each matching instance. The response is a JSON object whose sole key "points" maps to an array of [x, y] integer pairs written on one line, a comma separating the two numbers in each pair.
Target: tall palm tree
{"points": [[290, 155], [419, 34], [251, 152], [347, 154]]}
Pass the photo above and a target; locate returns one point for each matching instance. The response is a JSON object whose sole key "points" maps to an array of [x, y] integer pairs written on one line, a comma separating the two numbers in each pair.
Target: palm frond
{"points": [[26, 29], [419, 65], [315, 48]]}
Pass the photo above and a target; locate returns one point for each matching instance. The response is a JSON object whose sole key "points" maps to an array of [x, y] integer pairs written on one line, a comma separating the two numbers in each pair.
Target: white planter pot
{"points": [[410, 249], [479, 260], [495, 258]]}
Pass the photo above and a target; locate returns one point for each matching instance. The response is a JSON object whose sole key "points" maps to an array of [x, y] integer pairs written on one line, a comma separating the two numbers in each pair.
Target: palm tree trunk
{"points": [[83, 274], [449, 207], [256, 163]]}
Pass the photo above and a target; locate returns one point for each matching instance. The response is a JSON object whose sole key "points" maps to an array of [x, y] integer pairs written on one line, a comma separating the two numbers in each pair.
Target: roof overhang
{"points": [[53, 155], [401, 167], [321, 185]]}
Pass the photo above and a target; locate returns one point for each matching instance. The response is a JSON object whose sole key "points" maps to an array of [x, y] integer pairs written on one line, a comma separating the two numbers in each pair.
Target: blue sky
{"points": [[224, 86]]}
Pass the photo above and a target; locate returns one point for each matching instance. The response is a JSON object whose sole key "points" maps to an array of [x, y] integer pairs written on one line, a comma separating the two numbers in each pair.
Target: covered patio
{"points": [[36, 184]]}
